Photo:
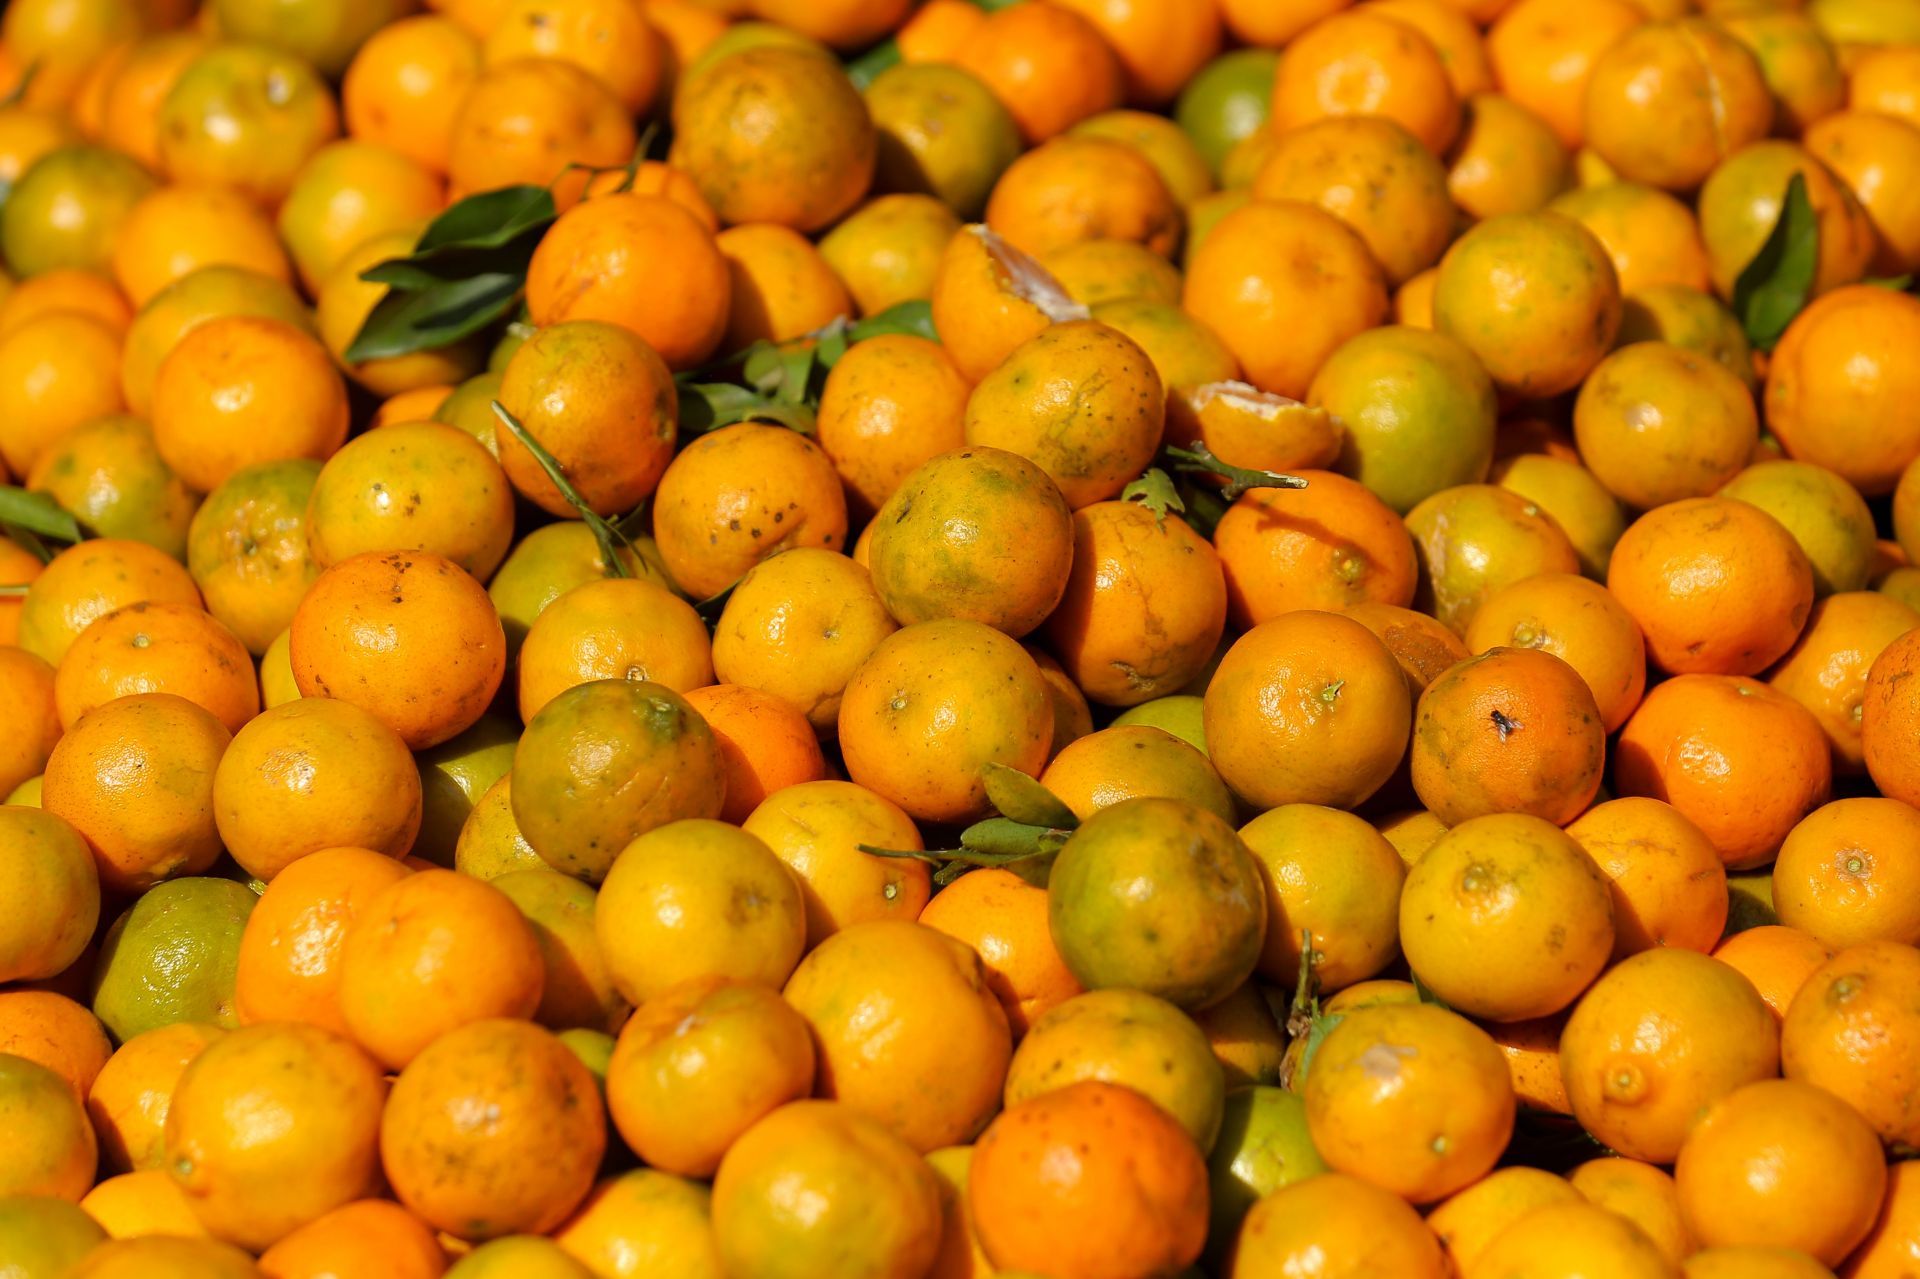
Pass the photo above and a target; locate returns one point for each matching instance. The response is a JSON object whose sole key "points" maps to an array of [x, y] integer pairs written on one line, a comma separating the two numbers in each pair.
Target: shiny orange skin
{"points": [[1670, 100], [1835, 384], [220, 401], [1776, 959], [890, 404], [523, 121], [614, 42], [1363, 62], [1474, 539], [1472, 1218], [1668, 883], [56, 374], [1881, 80], [1336, 1225], [1866, 151], [86, 582], [1798, 62], [1513, 730], [1331, 875], [1846, 874], [1577, 621], [739, 494], [1782, 1164], [1661, 1036], [1569, 1239], [347, 194], [1331, 545], [247, 116], [907, 1029], [466, 515], [1717, 586], [65, 289], [1049, 65], [1130, 1155], [524, 1170], [1741, 201], [372, 1237], [1307, 708], [782, 289], [158, 648], [27, 682], [1004, 919], [56, 1032], [405, 86], [130, 1096], [1893, 1245], [1249, 281], [1073, 189], [1642, 1193], [174, 231], [989, 297], [1543, 53], [1851, 1031], [765, 743], [605, 260], [774, 134], [1656, 423], [817, 827], [614, 628], [1652, 237], [1888, 711], [1160, 45]]}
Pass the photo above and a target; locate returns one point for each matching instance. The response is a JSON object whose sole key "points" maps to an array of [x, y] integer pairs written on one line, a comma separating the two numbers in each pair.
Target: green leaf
{"points": [[488, 220], [609, 538], [708, 406], [1776, 284], [913, 317], [1156, 491], [1426, 995], [1023, 799], [404, 322], [1897, 283], [1000, 840], [711, 607], [39, 515], [866, 68], [28, 541]]}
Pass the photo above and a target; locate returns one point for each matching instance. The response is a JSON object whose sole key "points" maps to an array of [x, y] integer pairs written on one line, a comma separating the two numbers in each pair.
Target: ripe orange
{"points": [[152, 647], [1851, 1032], [1577, 621], [1669, 101], [405, 86], [1332, 545], [1833, 383], [767, 744], [1004, 919], [524, 121], [1669, 885], [1474, 539], [1367, 62]]}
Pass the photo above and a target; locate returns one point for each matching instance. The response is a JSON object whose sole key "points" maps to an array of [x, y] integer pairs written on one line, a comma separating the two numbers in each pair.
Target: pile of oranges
{"points": [[923, 639]]}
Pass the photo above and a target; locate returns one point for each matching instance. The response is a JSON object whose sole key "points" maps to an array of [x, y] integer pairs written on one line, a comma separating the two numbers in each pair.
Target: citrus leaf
{"points": [[1773, 287], [999, 840], [1156, 491], [913, 317], [488, 219], [866, 68], [37, 514], [1201, 460], [1023, 799], [708, 406], [404, 322]]}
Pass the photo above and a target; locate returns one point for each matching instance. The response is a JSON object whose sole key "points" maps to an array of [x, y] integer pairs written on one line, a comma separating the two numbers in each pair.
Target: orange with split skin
{"points": [[1474, 539], [109, 475], [888, 250], [890, 404], [1544, 319], [1850, 1031], [781, 289], [989, 298], [1332, 545], [1246, 282], [1825, 514], [817, 827], [1652, 237], [1842, 874], [56, 374], [1827, 668], [1123, 762], [1668, 884], [1669, 101], [1078, 188], [1004, 919], [1366, 62], [612, 628], [1660, 1037], [246, 116], [1245, 426], [1424, 648], [158, 648], [1473, 1218], [1506, 159], [1411, 1097], [1373, 175], [524, 121], [1865, 150], [1833, 386], [941, 132], [1743, 199], [1333, 878], [1506, 884]]}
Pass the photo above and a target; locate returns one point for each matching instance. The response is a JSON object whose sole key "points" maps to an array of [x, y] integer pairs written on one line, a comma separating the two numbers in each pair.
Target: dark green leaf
{"points": [[914, 318], [402, 322], [1776, 284], [708, 406], [1201, 506], [489, 219], [1001, 840], [1016, 795], [27, 540], [38, 514]]}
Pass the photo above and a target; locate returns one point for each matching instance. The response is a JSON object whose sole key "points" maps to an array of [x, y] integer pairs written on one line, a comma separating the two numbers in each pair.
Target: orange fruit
{"points": [[56, 374], [130, 1096], [1367, 62], [1833, 385], [1656, 423], [1566, 1238], [1643, 1194], [1660, 1037], [578, 993], [533, 1161], [109, 475], [1332, 545], [941, 130], [643, 1220], [888, 250], [1825, 514], [55, 1032], [989, 297], [405, 86], [816, 828], [1424, 648], [1798, 62], [1781, 1164], [247, 548], [65, 209], [1405, 215], [159, 1255], [1506, 159], [614, 628], [348, 193], [1332, 1215], [1839, 875], [146, 1203], [205, 294], [1330, 875], [767, 744], [1077, 188], [367, 1236], [89, 580], [1692, 319], [65, 289], [1577, 621], [1004, 919], [1474, 539], [49, 1145], [1111, 1148], [48, 867], [245, 116], [524, 121], [1473, 1218], [1127, 761], [1895, 1236], [782, 288], [1776, 959], [466, 517], [29, 684], [176, 230], [613, 42], [1850, 1032], [158, 648], [1160, 46], [1049, 65], [1669, 886], [1668, 101], [891, 403]]}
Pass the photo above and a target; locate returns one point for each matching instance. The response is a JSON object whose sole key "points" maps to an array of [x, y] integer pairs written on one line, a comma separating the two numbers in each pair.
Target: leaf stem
{"points": [[612, 541], [1201, 460]]}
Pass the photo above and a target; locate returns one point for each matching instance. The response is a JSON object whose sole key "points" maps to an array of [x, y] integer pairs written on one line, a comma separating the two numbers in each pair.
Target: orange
{"points": [[1660, 1037], [130, 1096], [1412, 1098], [989, 297], [1331, 545], [50, 869], [774, 135], [1895, 1237], [1417, 409], [405, 86], [941, 130], [1474, 539], [1173, 153], [644, 1222], [1455, 36], [136, 778], [841, 1164], [610, 39], [1424, 648], [348, 193], [158, 1255], [28, 683], [205, 294], [1651, 236], [56, 1032], [27, 133], [176, 230], [524, 121], [577, 994], [1331, 1217], [739, 494], [1307, 708], [798, 625], [65, 289], [1078, 188], [1850, 1032], [56, 374], [146, 1203], [1865, 151], [65, 209], [1798, 62], [528, 1166], [1160, 46], [1641, 1193], [1742, 200], [1366, 62], [1826, 515], [1473, 1218], [1689, 318], [782, 288], [766, 743], [344, 303], [1669, 101], [1717, 586], [1250, 281], [490, 842], [1330, 875], [1004, 919], [1841, 871], [1878, 81], [1834, 384], [1095, 272], [699, 1064], [1577, 621], [1373, 175], [888, 250], [151, 647], [109, 475], [1535, 296], [417, 405], [272, 1126], [89, 580], [612, 628], [891, 403], [221, 399], [466, 516], [1242, 425], [133, 89], [1669, 886], [1887, 711], [907, 1029], [315, 773], [1127, 761], [1776, 959], [1049, 65], [245, 116], [1506, 159], [49, 1146], [367, 1236], [247, 549], [1781, 1164], [1570, 1239], [1112, 1148], [816, 828]]}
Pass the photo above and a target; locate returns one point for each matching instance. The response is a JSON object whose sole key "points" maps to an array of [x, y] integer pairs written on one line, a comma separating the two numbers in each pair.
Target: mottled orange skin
{"points": [[774, 134], [1667, 102], [405, 86], [1657, 423], [1474, 539], [1659, 1038], [767, 744], [523, 121], [174, 231], [1845, 876], [1050, 66], [151, 647], [136, 779], [110, 476], [367, 1236], [1742, 200], [1470, 1219], [1131, 1156], [1507, 159], [1004, 919], [1717, 586], [1422, 645], [613, 628], [245, 116], [1367, 63], [890, 404], [452, 498], [1331, 545], [524, 1171], [699, 1064], [989, 297], [1077, 188], [1836, 386], [1669, 885], [816, 827], [1577, 621], [1854, 1030]]}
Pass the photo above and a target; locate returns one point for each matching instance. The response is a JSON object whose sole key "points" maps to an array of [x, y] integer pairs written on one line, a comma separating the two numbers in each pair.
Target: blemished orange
{"points": [[989, 297], [374, 626], [1782, 1164], [1472, 540], [817, 827], [1661, 1036], [373, 1237], [1847, 873], [613, 628], [765, 743], [1776, 959], [150, 647], [432, 952], [130, 1096], [1668, 101], [89, 580], [1364, 62], [465, 516], [1047, 1176], [699, 1064], [405, 86], [1298, 1226], [1668, 883], [528, 1167], [1656, 423], [1424, 647], [288, 967], [1331, 876], [891, 403], [1004, 919], [1283, 284], [1577, 621], [56, 373], [1332, 545], [525, 121], [1049, 65], [1718, 586], [51, 1029], [1834, 384]]}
